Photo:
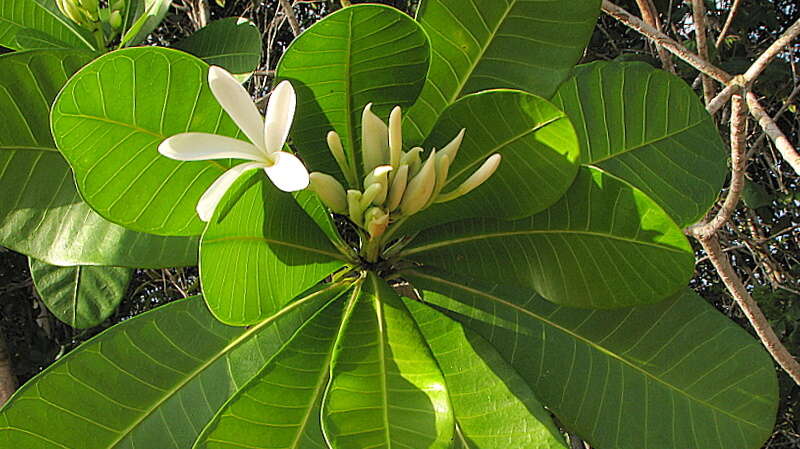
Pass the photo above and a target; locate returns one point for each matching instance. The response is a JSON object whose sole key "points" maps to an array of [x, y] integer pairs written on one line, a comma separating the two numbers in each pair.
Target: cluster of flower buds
{"points": [[89, 15], [397, 183]]}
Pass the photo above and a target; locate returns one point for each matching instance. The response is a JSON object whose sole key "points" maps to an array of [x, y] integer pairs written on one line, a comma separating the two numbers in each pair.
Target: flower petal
{"points": [[280, 112], [203, 146], [208, 202], [288, 173], [237, 103]]}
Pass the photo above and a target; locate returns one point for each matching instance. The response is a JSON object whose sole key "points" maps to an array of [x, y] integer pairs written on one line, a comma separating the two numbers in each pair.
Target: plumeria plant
{"points": [[443, 234]]}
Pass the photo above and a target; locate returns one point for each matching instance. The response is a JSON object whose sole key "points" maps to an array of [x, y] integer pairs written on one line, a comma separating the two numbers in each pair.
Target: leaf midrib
{"points": [[585, 340], [456, 241], [649, 142], [246, 335]]}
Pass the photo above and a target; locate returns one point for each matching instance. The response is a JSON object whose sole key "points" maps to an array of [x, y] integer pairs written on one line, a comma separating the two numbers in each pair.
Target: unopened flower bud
{"points": [[370, 194], [71, 10], [115, 20], [376, 221], [442, 167], [479, 177], [337, 150], [354, 209], [395, 136], [420, 187], [451, 149], [374, 140], [330, 191], [397, 188], [413, 160], [380, 176]]}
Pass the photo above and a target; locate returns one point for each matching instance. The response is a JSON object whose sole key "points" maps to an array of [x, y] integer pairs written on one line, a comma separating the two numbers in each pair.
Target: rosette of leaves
{"points": [[551, 298]]}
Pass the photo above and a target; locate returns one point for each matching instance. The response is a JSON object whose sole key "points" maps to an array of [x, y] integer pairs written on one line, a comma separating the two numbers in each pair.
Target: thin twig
{"points": [[699, 19], [774, 132], [728, 22], [785, 107], [287, 9], [650, 16]]}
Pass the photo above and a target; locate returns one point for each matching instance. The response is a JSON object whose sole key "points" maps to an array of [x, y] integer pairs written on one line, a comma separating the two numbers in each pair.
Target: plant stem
{"points": [[372, 250], [100, 38]]}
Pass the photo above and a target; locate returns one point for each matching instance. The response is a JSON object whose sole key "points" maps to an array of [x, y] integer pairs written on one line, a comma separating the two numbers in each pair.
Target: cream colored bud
{"points": [[330, 191], [380, 176], [70, 9], [337, 150], [413, 159], [420, 187], [376, 221], [397, 188], [395, 136], [354, 209], [442, 167], [479, 177], [370, 194], [374, 140], [451, 149]]}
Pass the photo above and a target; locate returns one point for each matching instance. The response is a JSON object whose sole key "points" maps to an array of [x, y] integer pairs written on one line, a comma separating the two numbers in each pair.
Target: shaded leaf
{"points": [[232, 43], [41, 214], [31, 39], [148, 14], [358, 55], [260, 249], [649, 128], [41, 15], [153, 381], [108, 121], [493, 406], [81, 296], [605, 244], [674, 374], [386, 389], [484, 44]]}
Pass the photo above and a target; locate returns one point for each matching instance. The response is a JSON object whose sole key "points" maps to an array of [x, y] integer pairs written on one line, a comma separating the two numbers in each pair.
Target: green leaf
{"points": [[358, 55], [260, 249], [149, 13], [649, 128], [676, 374], [31, 38], [41, 15], [233, 43], [605, 244], [754, 195], [484, 44], [108, 121], [41, 214], [81, 296], [280, 407], [150, 382], [493, 406], [539, 156], [386, 389], [310, 202]]}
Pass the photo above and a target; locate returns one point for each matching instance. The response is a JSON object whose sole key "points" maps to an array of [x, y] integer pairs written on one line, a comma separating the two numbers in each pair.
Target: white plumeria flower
{"points": [[268, 136]]}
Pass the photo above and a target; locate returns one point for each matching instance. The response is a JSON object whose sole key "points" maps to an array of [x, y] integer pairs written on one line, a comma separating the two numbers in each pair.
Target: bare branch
{"points": [[287, 9], [650, 16], [8, 382], [738, 162], [663, 40], [750, 308], [699, 19], [774, 132], [728, 22]]}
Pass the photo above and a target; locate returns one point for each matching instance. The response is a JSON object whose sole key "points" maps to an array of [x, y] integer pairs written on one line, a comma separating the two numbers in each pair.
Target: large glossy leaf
{"points": [[493, 406], [108, 121], [605, 244], [81, 296], [147, 15], [358, 55], [41, 214], [386, 390], [151, 382], [260, 249], [484, 44], [280, 407], [647, 127], [41, 15], [539, 156], [676, 374], [232, 43]]}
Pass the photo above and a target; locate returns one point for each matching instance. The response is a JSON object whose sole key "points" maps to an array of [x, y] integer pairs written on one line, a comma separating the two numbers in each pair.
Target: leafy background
{"points": [[763, 233]]}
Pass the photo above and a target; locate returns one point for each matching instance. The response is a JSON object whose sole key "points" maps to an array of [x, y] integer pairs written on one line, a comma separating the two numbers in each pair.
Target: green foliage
{"points": [[43, 16], [231, 43], [81, 296], [554, 283]]}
